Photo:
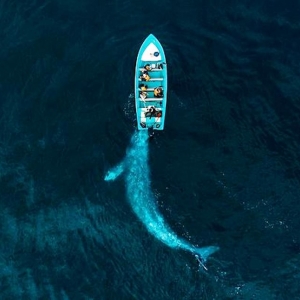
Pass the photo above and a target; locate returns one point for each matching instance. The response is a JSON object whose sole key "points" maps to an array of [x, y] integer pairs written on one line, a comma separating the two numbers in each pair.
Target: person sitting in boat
{"points": [[147, 67], [145, 76], [151, 112], [143, 87], [158, 114], [152, 109], [143, 95], [158, 92]]}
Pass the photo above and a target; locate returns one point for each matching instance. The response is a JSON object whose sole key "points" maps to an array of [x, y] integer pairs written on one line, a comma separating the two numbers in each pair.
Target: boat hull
{"points": [[150, 106]]}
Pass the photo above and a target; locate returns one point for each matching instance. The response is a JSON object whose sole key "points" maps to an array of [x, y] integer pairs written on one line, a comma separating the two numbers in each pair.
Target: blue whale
{"points": [[136, 171]]}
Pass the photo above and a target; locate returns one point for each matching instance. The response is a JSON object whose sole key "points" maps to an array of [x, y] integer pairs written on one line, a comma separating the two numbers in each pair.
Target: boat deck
{"points": [[150, 109], [144, 104]]}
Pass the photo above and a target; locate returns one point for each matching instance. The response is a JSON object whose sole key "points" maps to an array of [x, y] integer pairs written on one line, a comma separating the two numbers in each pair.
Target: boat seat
{"points": [[146, 108], [152, 79], [144, 119], [151, 99], [152, 70], [150, 89]]}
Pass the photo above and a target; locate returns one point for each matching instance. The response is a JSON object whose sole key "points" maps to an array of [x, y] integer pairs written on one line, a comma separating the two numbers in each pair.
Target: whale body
{"points": [[136, 171]]}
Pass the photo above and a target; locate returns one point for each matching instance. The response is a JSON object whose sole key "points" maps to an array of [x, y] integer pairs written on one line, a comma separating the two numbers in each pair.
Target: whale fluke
{"points": [[205, 252]]}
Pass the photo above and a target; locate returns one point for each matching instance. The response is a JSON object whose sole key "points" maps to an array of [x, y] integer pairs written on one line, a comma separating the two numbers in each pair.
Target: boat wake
{"points": [[135, 168]]}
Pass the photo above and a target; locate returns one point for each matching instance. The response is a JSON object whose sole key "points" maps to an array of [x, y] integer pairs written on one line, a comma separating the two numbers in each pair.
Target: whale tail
{"points": [[205, 252]]}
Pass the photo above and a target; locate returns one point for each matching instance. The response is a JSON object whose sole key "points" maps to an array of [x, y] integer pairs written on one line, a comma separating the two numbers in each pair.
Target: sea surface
{"points": [[225, 171]]}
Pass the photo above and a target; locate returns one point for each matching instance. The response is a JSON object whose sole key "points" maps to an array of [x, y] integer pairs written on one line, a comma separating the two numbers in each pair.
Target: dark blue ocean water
{"points": [[225, 171]]}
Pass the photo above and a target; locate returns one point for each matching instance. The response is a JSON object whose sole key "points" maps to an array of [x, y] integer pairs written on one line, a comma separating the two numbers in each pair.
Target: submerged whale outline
{"points": [[138, 189]]}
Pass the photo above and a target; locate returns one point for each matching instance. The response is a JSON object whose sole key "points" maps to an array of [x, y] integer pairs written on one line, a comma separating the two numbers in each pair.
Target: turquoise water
{"points": [[225, 171]]}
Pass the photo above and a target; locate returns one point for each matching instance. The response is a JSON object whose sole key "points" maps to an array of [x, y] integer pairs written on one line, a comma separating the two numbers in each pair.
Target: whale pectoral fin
{"points": [[114, 173], [205, 252]]}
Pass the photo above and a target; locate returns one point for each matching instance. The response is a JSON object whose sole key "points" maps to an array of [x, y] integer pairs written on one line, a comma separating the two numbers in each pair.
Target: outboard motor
{"points": [[150, 132]]}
